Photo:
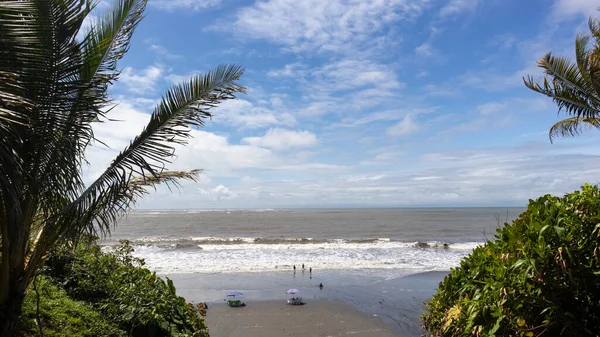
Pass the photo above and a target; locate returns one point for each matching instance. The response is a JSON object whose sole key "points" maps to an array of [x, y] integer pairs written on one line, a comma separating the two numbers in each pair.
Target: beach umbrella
{"points": [[292, 291], [235, 293]]}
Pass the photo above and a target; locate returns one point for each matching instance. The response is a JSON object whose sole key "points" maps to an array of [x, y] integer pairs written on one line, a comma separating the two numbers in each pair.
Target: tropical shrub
{"points": [[540, 276], [117, 285], [62, 316]]}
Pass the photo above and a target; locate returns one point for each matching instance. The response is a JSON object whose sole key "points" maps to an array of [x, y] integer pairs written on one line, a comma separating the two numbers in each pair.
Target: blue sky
{"points": [[359, 102]]}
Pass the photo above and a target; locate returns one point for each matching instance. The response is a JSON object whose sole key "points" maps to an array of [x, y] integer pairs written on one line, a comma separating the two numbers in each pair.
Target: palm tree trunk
{"points": [[10, 313], [13, 284]]}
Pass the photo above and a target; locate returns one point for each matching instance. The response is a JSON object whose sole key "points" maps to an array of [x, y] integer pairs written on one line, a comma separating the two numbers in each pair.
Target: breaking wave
{"points": [[245, 254], [199, 242]]}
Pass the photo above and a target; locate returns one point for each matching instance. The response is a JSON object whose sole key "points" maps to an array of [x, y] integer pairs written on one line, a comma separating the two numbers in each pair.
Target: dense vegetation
{"points": [[540, 276], [86, 292], [61, 315]]}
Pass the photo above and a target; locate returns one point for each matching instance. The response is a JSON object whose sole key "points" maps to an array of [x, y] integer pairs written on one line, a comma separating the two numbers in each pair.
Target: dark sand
{"points": [[396, 302], [278, 319]]}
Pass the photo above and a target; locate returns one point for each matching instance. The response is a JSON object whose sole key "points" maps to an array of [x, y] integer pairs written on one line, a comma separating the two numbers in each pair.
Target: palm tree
{"points": [[53, 87], [573, 86]]}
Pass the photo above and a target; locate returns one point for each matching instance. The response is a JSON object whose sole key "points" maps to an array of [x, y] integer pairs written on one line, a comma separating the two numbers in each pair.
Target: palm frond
{"points": [[581, 55], [136, 187], [108, 40], [39, 64], [572, 92], [594, 26], [184, 106], [139, 185], [573, 126], [564, 71], [104, 44]]}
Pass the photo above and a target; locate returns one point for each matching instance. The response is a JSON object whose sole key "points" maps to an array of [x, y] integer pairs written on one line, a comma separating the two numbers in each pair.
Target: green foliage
{"points": [[126, 293], [63, 316], [540, 276], [573, 86]]}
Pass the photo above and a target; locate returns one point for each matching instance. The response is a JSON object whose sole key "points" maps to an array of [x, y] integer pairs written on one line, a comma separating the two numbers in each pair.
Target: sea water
{"points": [[404, 241]]}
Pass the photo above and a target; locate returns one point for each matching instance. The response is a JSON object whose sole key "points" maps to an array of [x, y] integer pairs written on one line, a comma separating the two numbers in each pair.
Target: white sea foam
{"points": [[248, 256]]}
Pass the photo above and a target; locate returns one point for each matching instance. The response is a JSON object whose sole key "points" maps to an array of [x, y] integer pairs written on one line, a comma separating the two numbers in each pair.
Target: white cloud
{"points": [[387, 115], [194, 5], [424, 50], [427, 178], [493, 81], [491, 108], [564, 9], [455, 7], [315, 25], [141, 82], [220, 192], [163, 51], [280, 139], [367, 178], [347, 84], [176, 79], [244, 114], [354, 74], [219, 158], [504, 41], [484, 177], [404, 127], [434, 90], [287, 71]]}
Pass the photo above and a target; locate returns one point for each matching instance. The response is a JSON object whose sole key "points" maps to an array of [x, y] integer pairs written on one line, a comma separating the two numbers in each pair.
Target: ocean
{"points": [[385, 262], [401, 240]]}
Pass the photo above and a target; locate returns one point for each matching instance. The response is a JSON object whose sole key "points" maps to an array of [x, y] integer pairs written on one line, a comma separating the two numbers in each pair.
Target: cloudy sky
{"points": [[360, 102]]}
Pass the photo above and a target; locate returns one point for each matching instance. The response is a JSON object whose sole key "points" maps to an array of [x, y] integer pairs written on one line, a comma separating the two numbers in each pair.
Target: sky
{"points": [[358, 103]]}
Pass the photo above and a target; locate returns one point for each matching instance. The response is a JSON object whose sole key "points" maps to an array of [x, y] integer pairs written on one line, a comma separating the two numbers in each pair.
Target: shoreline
{"points": [[279, 319], [395, 300]]}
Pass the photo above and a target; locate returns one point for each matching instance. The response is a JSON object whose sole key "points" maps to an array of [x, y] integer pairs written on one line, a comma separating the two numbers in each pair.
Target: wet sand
{"points": [[396, 301], [278, 319]]}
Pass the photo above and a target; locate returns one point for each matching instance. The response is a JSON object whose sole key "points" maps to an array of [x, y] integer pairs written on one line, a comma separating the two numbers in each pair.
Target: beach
{"points": [[278, 319], [383, 306]]}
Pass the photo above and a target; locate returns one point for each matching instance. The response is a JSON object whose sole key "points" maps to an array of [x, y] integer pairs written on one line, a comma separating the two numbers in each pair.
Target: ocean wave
{"points": [[293, 243], [260, 258]]}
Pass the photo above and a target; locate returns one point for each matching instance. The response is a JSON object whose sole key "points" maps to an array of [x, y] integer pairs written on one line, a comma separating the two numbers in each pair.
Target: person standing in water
{"points": [[310, 270], [294, 267], [303, 266]]}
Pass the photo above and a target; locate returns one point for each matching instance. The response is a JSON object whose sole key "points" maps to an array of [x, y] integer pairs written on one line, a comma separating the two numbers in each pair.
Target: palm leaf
{"points": [[39, 64], [571, 91], [184, 105], [79, 226], [104, 44], [108, 39], [573, 126]]}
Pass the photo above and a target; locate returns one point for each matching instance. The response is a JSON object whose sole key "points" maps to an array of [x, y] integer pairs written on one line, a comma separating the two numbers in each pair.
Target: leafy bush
{"points": [[541, 275], [128, 294], [63, 316]]}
